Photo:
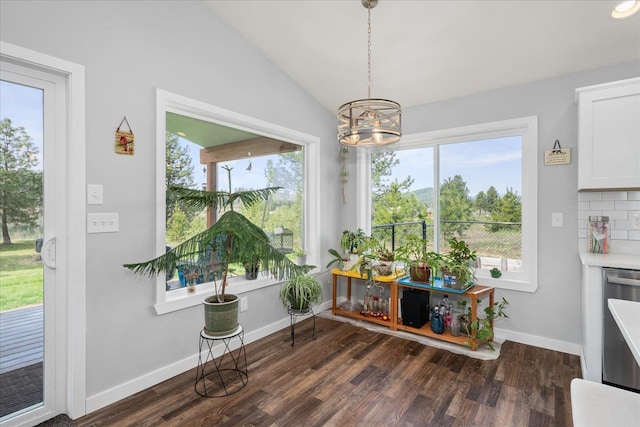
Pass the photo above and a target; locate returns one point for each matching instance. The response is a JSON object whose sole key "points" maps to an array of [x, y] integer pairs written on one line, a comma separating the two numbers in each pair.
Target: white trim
{"points": [[72, 399], [527, 128], [538, 341], [167, 101], [150, 379]]}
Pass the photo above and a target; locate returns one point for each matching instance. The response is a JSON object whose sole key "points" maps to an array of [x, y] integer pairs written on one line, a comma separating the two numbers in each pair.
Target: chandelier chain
{"points": [[369, 52]]}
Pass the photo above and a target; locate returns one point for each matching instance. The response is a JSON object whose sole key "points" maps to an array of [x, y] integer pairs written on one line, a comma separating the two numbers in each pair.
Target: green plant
{"points": [[459, 262], [354, 242], [380, 251], [480, 329], [414, 254], [338, 259], [460, 251], [299, 252], [301, 291], [233, 238]]}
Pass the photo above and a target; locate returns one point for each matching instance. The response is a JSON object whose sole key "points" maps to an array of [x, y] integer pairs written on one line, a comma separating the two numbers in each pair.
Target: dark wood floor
{"points": [[350, 376]]}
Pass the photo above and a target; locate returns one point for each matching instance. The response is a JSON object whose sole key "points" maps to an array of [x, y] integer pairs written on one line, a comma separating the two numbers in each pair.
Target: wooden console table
{"points": [[388, 280], [395, 322]]}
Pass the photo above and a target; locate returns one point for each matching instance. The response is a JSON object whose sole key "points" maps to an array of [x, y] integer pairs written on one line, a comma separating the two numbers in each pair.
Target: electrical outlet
{"points": [[557, 219], [244, 304], [635, 220]]}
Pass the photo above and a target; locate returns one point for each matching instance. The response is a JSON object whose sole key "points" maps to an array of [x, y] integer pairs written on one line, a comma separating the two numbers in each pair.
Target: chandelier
{"points": [[372, 121]]}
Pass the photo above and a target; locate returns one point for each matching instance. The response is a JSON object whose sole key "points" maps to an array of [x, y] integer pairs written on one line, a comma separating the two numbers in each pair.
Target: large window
{"points": [[200, 143], [476, 183]]}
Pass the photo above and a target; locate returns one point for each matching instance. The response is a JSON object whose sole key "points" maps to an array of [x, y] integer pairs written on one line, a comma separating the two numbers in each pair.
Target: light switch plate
{"points": [[635, 220], [94, 194], [557, 219], [103, 223]]}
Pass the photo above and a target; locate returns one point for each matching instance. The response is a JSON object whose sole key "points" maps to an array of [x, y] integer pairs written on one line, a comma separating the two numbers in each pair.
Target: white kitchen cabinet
{"points": [[609, 135]]}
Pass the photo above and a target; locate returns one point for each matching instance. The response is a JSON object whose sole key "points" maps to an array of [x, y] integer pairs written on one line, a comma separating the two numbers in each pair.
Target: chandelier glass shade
{"points": [[369, 122], [372, 121]]}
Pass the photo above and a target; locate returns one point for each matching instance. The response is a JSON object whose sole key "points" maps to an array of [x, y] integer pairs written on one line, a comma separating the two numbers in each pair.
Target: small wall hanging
{"points": [[124, 140], [557, 156]]}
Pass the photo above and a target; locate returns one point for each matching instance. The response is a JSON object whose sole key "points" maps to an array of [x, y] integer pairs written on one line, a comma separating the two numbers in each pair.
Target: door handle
{"points": [[49, 253], [623, 281]]}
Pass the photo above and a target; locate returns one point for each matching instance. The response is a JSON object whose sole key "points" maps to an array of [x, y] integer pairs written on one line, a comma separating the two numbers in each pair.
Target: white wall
{"points": [[550, 317], [129, 49]]}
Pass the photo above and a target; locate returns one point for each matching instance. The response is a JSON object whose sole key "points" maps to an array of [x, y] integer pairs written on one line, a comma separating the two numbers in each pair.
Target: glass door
{"points": [[27, 249]]}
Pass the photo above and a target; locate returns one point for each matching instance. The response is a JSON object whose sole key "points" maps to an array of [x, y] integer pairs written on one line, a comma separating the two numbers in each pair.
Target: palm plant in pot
{"points": [[234, 239]]}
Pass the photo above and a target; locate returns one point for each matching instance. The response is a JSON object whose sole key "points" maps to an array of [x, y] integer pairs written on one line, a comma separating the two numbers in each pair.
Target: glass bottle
{"points": [[599, 234], [368, 298], [377, 295]]}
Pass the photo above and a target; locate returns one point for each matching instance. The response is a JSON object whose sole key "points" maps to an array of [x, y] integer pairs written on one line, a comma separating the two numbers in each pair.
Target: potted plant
{"points": [[301, 255], [340, 260], [458, 266], [481, 330], [417, 259], [300, 292], [383, 258], [354, 242], [233, 238]]}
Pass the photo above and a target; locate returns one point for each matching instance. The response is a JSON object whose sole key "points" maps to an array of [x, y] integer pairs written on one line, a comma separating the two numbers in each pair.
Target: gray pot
{"points": [[220, 318]]}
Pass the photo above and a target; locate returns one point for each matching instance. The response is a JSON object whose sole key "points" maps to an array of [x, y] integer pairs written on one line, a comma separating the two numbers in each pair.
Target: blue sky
{"points": [[494, 162], [481, 164], [23, 105]]}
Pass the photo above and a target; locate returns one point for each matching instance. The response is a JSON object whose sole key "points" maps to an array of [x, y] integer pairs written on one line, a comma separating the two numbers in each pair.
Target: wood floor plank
{"points": [[349, 376]]}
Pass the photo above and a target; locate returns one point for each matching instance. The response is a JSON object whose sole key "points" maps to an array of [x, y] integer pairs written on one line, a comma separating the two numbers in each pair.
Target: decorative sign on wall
{"points": [[557, 156], [124, 139]]}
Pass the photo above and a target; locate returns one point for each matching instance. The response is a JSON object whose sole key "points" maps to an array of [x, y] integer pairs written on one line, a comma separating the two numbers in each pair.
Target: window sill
{"points": [[509, 284], [181, 299]]}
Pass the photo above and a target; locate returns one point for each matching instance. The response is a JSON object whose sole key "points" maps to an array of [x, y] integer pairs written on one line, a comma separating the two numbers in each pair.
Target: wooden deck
{"points": [[21, 338]]}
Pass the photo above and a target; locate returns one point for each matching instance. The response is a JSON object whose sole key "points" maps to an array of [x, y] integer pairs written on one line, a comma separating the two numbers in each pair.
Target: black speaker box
{"points": [[414, 307]]}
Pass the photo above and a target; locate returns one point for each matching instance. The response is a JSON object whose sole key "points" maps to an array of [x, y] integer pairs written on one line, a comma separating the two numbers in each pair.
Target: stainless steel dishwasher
{"points": [[619, 367]]}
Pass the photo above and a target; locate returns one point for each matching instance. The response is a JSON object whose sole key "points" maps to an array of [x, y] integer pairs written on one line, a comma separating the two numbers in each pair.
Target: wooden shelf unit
{"points": [[473, 294], [395, 322]]}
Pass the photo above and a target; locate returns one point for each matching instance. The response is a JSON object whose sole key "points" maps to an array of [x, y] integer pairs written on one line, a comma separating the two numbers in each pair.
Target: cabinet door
{"points": [[609, 136]]}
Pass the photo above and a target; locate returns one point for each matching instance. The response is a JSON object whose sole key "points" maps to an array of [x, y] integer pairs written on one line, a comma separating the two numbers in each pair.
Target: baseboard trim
{"points": [[124, 390], [538, 341]]}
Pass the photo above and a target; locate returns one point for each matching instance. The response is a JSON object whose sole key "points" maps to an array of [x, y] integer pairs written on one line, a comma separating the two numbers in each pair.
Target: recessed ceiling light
{"points": [[182, 134], [626, 9]]}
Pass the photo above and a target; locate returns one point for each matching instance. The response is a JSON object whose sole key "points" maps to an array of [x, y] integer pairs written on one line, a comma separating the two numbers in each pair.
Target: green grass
{"points": [[20, 275]]}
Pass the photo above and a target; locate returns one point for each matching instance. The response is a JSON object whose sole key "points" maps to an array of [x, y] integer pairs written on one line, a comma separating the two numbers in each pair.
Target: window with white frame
{"points": [[199, 142], [476, 183]]}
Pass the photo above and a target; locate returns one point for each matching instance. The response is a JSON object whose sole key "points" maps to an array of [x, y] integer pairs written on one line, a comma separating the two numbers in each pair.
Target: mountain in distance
{"points": [[424, 196]]}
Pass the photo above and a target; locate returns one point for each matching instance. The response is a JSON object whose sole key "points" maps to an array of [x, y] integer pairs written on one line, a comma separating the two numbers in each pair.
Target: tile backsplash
{"points": [[619, 207]]}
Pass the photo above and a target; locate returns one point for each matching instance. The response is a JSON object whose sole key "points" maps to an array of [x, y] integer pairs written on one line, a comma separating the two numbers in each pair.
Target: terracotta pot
{"points": [[420, 273]]}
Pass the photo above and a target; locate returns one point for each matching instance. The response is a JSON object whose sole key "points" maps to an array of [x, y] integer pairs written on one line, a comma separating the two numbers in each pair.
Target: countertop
{"points": [[627, 316], [630, 261]]}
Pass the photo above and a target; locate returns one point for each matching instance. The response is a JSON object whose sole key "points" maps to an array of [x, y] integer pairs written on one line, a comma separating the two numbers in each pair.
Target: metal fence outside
{"points": [[489, 239]]}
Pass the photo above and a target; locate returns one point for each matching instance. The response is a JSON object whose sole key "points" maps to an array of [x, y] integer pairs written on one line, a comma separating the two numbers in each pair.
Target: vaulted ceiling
{"points": [[428, 51]]}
